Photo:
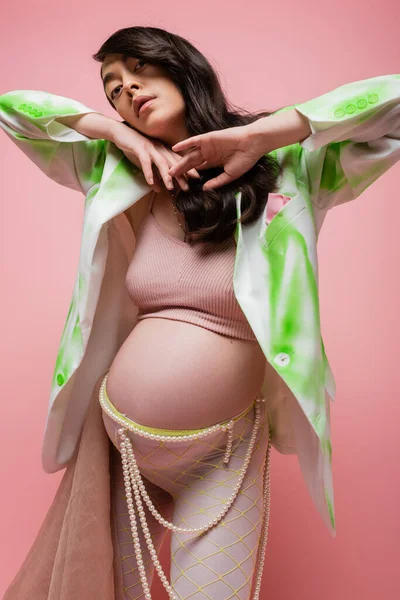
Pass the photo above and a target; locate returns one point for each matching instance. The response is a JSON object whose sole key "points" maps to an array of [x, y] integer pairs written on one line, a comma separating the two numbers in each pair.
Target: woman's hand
{"points": [[237, 149], [144, 152], [231, 148]]}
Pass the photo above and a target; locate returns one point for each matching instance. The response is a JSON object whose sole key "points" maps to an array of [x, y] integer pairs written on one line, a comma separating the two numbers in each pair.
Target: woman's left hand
{"points": [[231, 148]]}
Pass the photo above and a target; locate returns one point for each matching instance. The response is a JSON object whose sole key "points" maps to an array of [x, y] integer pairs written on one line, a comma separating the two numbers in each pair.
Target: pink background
{"points": [[269, 55]]}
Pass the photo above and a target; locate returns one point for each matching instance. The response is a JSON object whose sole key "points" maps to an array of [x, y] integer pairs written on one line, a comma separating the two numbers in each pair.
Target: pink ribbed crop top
{"points": [[167, 278]]}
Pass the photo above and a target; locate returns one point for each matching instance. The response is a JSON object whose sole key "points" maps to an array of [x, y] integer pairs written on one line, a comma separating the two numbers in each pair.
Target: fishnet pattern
{"points": [[189, 483]]}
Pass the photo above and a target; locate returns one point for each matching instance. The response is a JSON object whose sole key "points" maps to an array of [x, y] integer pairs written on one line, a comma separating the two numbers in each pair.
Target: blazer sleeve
{"points": [[29, 118], [355, 138]]}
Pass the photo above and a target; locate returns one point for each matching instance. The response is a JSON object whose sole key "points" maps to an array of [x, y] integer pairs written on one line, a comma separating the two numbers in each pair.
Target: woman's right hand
{"points": [[144, 152]]}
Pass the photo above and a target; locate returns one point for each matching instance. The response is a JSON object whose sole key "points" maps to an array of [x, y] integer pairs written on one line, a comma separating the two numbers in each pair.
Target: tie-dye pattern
{"points": [[355, 138]]}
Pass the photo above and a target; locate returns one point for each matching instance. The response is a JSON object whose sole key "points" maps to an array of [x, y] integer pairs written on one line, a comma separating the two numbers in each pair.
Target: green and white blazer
{"points": [[355, 138]]}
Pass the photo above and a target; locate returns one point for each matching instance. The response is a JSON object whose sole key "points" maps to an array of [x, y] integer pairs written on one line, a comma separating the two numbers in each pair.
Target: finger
{"points": [[182, 182], [175, 158], [193, 173], [184, 144], [182, 179], [171, 160], [193, 159], [162, 166], [219, 181], [147, 168]]}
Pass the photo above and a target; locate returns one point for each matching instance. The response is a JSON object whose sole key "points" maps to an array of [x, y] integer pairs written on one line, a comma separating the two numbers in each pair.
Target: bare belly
{"points": [[175, 375]]}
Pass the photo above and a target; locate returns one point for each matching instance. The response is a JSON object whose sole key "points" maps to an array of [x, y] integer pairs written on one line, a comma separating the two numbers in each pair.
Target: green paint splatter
{"points": [[330, 508]]}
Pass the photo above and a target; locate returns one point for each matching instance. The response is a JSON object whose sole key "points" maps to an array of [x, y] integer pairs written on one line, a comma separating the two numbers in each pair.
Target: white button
{"points": [[282, 359]]}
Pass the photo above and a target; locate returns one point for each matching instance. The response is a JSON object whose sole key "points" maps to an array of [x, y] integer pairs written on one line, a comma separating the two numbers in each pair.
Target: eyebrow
{"points": [[107, 78]]}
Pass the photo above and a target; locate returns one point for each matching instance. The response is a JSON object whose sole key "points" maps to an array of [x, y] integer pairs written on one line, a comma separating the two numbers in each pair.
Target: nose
{"points": [[129, 85]]}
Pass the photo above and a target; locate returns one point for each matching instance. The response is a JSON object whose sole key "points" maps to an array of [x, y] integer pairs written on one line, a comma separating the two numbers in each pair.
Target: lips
{"points": [[140, 101], [144, 103]]}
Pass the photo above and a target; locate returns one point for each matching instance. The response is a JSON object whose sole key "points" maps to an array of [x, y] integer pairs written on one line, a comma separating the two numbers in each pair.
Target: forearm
{"points": [[93, 125], [279, 130]]}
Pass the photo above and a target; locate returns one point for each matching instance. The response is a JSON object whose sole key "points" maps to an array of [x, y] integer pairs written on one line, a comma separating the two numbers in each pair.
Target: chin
{"points": [[153, 131], [157, 133]]}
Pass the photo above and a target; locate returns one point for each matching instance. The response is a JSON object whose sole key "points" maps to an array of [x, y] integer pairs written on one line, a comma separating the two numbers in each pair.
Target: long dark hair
{"points": [[210, 214]]}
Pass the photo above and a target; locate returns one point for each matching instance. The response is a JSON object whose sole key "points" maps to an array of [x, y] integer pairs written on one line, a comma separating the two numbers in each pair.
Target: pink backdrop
{"points": [[268, 56]]}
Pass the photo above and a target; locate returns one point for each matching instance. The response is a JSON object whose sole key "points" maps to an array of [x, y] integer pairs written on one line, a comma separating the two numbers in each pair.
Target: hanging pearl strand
{"points": [[129, 477], [264, 523], [151, 506], [128, 444], [132, 477]]}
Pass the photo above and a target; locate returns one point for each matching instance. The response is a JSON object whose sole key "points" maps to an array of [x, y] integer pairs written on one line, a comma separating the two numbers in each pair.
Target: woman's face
{"points": [[126, 78]]}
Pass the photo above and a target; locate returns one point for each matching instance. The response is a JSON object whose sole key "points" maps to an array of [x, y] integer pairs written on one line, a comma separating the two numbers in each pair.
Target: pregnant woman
{"points": [[181, 220], [179, 374]]}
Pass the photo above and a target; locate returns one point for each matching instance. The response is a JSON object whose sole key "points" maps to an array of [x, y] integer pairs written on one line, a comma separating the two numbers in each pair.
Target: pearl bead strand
{"points": [[132, 477], [129, 477], [136, 473], [264, 523]]}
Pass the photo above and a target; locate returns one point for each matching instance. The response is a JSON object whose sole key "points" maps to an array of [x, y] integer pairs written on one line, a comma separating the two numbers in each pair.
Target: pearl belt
{"points": [[132, 477]]}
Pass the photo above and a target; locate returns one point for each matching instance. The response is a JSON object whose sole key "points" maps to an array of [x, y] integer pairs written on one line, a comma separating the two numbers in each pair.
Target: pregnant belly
{"points": [[175, 375]]}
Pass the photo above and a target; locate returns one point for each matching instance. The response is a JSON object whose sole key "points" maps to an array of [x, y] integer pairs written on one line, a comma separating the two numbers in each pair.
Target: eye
{"points": [[139, 61], [112, 93]]}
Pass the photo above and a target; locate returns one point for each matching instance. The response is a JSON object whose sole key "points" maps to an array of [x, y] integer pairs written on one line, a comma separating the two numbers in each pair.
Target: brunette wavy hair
{"points": [[210, 214]]}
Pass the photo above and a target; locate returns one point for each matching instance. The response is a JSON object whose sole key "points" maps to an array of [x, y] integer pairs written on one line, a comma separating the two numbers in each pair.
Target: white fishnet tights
{"points": [[188, 483]]}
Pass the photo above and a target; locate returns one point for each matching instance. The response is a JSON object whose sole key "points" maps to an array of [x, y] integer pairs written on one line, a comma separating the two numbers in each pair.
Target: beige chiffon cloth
{"points": [[73, 554]]}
